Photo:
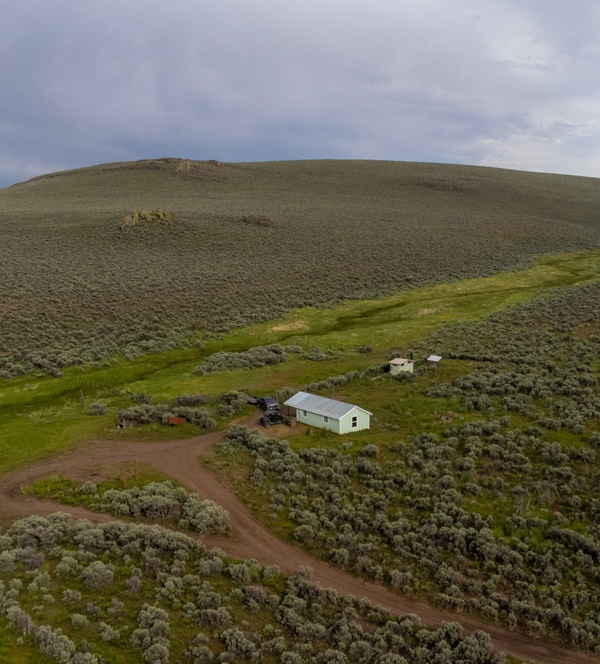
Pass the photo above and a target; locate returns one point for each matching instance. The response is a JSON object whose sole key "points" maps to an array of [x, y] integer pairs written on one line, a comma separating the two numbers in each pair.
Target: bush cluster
{"points": [[158, 500], [317, 354], [259, 356], [329, 383], [161, 412], [533, 361], [188, 604], [406, 520], [189, 406]]}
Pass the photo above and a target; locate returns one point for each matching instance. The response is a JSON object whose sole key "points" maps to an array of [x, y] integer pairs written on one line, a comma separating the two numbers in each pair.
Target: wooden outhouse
{"points": [[401, 365], [331, 414]]}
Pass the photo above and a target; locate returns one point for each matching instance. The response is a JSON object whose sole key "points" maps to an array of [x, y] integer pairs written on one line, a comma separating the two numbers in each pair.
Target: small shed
{"points": [[337, 416], [434, 360], [401, 365]]}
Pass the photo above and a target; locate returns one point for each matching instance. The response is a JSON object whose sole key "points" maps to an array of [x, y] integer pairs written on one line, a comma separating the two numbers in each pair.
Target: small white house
{"points": [[325, 413], [401, 365], [434, 360]]}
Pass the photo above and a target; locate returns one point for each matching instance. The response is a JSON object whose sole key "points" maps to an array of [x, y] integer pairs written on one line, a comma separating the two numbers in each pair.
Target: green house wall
{"points": [[341, 426], [362, 421]]}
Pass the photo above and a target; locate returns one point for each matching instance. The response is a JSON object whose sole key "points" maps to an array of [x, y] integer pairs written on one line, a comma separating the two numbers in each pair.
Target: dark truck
{"points": [[271, 412], [273, 417], [267, 404]]}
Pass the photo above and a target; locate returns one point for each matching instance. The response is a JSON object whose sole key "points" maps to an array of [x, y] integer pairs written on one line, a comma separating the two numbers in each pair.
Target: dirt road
{"points": [[249, 539]]}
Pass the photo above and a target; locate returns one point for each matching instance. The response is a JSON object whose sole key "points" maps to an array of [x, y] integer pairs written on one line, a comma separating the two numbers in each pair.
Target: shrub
{"points": [[259, 356], [97, 575], [316, 354], [370, 451], [141, 397], [191, 400], [108, 633], [98, 408], [79, 621]]}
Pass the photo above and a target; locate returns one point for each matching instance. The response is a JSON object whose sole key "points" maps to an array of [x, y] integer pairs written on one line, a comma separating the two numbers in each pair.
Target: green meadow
{"points": [[40, 414]]}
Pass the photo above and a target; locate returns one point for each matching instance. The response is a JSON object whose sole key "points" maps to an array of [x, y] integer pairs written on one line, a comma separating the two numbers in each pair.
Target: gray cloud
{"points": [[507, 84]]}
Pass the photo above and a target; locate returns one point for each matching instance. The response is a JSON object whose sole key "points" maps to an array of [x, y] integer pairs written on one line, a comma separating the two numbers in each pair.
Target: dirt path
{"points": [[249, 539]]}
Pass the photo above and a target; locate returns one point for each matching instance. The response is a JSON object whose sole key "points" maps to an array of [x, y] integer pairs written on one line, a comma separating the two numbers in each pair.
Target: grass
{"points": [[41, 415], [77, 288], [400, 410], [445, 222], [67, 490], [412, 314], [47, 605], [12, 652]]}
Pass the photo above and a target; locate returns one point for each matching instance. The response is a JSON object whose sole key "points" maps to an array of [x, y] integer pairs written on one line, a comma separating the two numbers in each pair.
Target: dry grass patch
{"points": [[138, 217]]}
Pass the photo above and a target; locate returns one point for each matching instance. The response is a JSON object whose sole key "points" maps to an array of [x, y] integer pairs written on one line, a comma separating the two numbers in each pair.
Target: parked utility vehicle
{"points": [[273, 417], [268, 404]]}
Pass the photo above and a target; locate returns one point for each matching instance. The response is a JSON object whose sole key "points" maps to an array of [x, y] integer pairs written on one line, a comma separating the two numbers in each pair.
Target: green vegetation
{"points": [[132, 293], [158, 501], [66, 490], [259, 356], [79, 593], [40, 414], [78, 289], [477, 485]]}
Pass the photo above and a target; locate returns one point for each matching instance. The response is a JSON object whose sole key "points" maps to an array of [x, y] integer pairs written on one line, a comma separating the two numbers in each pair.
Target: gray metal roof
{"points": [[434, 358], [321, 405], [296, 399]]}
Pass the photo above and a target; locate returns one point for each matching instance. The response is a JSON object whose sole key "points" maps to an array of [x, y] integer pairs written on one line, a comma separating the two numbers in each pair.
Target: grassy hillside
{"points": [[476, 485], [240, 243]]}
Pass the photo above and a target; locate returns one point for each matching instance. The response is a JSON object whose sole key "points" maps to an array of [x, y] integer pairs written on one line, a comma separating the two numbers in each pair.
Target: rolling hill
{"points": [[138, 257]]}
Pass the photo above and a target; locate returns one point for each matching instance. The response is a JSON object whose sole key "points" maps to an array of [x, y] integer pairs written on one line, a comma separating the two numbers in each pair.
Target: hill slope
{"points": [[242, 242]]}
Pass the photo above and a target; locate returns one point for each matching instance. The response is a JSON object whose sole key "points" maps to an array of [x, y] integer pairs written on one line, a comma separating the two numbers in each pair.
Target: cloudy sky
{"points": [[508, 83]]}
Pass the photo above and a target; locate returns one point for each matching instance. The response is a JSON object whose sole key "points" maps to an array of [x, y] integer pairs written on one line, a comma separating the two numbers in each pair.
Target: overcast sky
{"points": [[508, 83]]}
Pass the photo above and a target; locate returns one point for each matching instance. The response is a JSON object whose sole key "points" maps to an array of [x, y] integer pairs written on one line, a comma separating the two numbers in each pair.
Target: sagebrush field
{"points": [[140, 292], [488, 503], [140, 257]]}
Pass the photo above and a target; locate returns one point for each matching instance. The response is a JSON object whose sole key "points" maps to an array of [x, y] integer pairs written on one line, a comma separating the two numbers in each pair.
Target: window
{"points": [[325, 419], [305, 413], [354, 421]]}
